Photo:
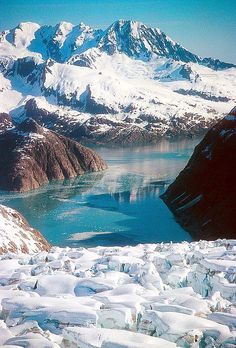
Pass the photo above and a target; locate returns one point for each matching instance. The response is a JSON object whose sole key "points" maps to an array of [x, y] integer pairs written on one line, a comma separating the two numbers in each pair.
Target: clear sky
{"points": [[206, 27]]}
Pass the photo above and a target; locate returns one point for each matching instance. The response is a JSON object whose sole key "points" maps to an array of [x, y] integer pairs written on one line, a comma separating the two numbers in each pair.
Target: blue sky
{"points": [[206, 27]]}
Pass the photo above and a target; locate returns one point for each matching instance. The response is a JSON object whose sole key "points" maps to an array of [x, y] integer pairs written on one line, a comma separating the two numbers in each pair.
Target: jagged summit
{"points": [[132, 38], [142, 42]]}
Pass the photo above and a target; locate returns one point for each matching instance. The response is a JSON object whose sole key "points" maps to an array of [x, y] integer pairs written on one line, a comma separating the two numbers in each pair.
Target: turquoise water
{"points": [[116, 207]]}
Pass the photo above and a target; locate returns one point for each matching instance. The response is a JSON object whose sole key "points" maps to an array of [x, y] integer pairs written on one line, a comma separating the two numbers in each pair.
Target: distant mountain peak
{"points": [[133, 38], [141, 42], [23, 25]]}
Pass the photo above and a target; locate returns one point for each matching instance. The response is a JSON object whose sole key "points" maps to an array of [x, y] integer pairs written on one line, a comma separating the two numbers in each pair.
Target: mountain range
{"points": [[126, 84]]}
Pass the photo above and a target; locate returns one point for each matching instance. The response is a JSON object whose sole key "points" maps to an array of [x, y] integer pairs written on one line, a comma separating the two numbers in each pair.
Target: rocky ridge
{"points": [[31, 156], [203, 195]]}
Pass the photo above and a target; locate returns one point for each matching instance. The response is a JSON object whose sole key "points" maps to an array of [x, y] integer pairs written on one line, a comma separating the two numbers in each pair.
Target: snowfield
{"points": [[149, 295]]}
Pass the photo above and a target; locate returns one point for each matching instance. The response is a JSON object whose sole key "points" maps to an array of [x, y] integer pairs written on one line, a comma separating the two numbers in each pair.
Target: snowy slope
{"points": [[127, 79], [150, 295], [16, 235]]}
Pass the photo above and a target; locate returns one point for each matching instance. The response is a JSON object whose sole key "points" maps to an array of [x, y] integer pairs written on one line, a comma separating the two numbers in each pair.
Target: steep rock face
{"points": [[203, 195], [31, 155], [5, 122], [16, 235]]}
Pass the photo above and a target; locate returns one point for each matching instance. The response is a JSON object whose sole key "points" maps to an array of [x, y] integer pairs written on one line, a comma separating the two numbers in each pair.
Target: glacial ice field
{"points": [[148, 295]]}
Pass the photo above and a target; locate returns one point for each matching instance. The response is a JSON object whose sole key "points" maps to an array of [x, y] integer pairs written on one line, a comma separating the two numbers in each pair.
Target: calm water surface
{"points": [[116, 207]]}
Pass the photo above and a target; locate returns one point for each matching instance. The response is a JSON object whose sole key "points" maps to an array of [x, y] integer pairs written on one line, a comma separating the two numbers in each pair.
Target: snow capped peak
{"points": [[66, 25], [127, 27], [27, 25], [132, 27], [126, 22], [142, 42], [136, 26], [23, 34], [132, 38], [83, 26], [62, 29]]}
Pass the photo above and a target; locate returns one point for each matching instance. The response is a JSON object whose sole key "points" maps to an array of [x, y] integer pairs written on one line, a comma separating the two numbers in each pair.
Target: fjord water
{"points": [[119, 206]]}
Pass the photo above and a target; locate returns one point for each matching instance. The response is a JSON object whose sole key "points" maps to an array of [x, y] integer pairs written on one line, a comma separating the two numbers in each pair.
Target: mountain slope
{"points": [[16, 235], [101, 85], [31, 155], [203, 195]]}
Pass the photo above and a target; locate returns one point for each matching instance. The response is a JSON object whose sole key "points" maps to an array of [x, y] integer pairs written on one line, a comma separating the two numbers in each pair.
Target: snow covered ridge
{"points": [[65, 40], [128, 83], [16, 235], [150, 295]]}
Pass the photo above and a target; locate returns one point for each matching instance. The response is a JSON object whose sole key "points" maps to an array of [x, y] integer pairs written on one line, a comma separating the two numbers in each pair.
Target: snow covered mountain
{"points": [[128, 83]]}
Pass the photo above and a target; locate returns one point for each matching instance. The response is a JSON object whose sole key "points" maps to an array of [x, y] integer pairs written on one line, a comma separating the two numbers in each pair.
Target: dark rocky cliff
{"points": [[5, 122], [203, 196], [31, 155]]}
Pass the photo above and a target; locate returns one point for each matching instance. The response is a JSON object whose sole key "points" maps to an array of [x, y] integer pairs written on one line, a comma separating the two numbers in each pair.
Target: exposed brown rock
{"points": [[31, 155], [16, 235], [203, 196], [5, 122], [101, 130]]}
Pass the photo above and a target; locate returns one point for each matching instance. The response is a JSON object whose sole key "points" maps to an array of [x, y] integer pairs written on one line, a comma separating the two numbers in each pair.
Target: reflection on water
{"points": [[118, 206], [153, 189], [50, 196]]}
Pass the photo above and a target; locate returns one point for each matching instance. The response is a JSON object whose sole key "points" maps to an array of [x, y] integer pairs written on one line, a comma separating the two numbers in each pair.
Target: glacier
{"points": [[148, 295]]}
